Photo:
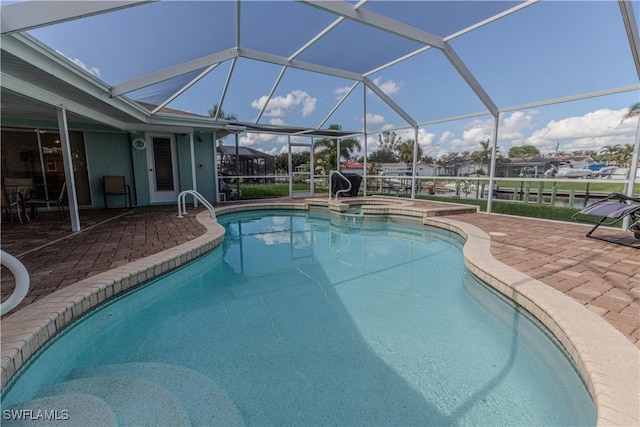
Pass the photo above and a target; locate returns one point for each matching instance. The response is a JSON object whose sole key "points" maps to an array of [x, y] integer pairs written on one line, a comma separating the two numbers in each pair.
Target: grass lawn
{"points": [[262, 191], [561, 185]]}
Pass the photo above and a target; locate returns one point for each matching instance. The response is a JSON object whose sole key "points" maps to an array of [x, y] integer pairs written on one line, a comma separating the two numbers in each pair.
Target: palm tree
{"points": [[624, 155], [327, 149], [221, 113], [484, 154], [405, 151], [634, 110], [610, 153]]}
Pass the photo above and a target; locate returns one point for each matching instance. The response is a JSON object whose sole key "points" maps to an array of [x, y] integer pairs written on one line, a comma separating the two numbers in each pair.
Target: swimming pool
{"points": [[304, 319]]}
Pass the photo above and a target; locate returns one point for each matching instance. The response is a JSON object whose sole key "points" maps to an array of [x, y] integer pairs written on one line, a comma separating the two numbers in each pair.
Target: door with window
{"points": [[163, 169]]}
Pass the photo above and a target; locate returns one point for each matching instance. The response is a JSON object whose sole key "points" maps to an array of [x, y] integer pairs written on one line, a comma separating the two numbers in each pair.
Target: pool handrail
{"points": [[21, 275], [339, 191], [182, 204]]}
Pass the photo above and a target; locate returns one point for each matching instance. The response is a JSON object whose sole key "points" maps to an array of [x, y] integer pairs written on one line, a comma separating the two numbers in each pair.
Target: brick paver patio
{"points": [[603, 276]]}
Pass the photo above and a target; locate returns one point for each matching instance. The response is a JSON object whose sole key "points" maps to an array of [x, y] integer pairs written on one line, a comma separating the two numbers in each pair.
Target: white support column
{"points": [[67, 162], [290, 167], [415, 164], [194, 184], [338, 155], [312, 170], [364, 121], [216, 183], [492, 171], [633, 170], [42, 168]]}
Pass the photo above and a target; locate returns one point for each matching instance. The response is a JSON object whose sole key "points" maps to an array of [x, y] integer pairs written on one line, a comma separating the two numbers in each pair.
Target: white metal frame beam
{"points": [[271, 92], [378, 21], [456, 34], [464, 72], [631, 26], [232, 66], [28, 15], [577, 97], [384, 23], [206, 61], [297, 53], [390, 102], [171, 72], [302, 65], [185, 87], [344, 97]]}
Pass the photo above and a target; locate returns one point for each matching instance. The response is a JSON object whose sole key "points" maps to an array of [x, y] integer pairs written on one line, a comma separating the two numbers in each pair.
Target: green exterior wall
{"points": [[140, 172], [203, 154], [205, 175], [109, 154]]}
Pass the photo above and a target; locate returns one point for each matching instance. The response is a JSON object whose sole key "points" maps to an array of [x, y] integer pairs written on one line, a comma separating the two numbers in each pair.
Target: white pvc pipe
{"points": [[22, 282]]}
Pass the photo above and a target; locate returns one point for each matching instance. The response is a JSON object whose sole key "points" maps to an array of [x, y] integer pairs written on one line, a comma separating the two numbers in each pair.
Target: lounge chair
{"points": [[610, 210]]}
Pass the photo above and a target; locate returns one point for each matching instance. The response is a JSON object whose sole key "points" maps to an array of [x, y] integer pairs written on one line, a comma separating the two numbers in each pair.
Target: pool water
{"points": [[304, 319]]}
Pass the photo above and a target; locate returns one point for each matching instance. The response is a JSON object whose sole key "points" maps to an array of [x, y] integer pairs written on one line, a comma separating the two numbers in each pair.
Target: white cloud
{"points": [[512, 126], [273, 151], [308, 106], [250, 139], [279, 106], [92, 70], [374, 119], [511, 130], [389, 87], [590, 131], [341, 91], [446, 136]]}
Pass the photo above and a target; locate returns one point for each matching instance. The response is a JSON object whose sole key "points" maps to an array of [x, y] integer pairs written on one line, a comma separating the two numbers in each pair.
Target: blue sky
{"points": [[546, 51]]}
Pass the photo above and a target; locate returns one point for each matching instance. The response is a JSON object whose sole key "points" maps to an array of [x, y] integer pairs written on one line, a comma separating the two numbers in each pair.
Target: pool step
{"points": [[134, 401], [140, 394], [64, 410], [204, 402]]}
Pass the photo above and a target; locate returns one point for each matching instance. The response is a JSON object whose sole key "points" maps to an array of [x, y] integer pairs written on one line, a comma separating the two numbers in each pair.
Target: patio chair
{"points": [[17, 191], [116, 186], [610, 210], [59, 202], [11, 203]]}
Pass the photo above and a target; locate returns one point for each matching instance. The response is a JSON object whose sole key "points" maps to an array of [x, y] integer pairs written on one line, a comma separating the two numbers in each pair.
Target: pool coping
{"points": [[604, 357]]}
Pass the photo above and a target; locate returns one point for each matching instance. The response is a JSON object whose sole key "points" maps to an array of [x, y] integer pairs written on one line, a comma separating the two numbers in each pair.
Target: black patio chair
{"points": [[58, 202]]}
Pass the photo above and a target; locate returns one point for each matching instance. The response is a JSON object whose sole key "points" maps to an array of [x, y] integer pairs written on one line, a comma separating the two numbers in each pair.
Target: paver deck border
{"points": [[605, 359]]}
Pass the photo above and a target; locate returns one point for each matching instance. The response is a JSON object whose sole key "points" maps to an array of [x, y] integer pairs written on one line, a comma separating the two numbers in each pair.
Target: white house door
{"points": [[163, 169]]}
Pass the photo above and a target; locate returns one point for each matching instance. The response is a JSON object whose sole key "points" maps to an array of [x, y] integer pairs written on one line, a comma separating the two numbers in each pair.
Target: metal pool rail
{"points": [[339, 191], [182, 204]]}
